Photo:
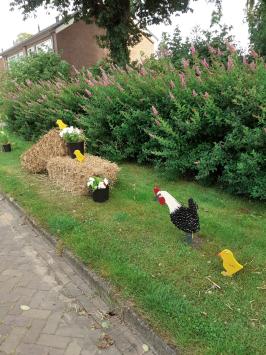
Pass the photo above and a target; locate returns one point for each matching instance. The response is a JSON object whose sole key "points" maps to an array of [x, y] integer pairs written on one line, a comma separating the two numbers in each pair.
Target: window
{"points": [[15, 56], [31, 50], [45, 46]]}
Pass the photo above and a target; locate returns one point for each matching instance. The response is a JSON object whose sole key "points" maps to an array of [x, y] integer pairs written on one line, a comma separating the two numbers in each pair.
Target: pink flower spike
{"points": [[77, 72], [172, 84], [245, 62], [254, 54], [194, 93], [219, 52], [204, 63], [158, 123], [230, 63], [89, 74], [193, 51], [197, 71], [231, 48], [171, 95], [211, 50], [120, 88], [253, 66], [185, 63], [154, 111], [182, 79], [142, 71], [88, 93], [206, 95]]}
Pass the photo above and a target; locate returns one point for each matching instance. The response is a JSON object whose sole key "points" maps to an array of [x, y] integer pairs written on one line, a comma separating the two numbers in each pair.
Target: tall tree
{"points": [[124, 21], [22, 37], [256, 15]]}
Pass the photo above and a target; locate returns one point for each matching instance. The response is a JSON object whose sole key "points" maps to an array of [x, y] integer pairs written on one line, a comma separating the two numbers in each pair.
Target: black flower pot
{"points": [[6, 147], [100, 195], [75, 146]]}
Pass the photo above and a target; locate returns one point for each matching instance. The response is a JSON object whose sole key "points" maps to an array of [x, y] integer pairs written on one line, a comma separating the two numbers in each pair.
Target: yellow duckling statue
{"points": [[61, 124], [80, 157], [229, 263]]}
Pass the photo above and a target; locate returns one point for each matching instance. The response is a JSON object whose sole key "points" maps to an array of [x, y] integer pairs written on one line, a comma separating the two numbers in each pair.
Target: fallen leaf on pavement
{"points": [[24, 307], [105, 342], [145, 348], [105, 325]]}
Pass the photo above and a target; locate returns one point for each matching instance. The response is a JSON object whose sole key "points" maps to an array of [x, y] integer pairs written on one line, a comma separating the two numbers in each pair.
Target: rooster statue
{"points": [[184, 218]]}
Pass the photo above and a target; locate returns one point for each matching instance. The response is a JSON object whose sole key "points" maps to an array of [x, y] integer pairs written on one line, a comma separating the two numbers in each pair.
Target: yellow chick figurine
{"points": [[229, 263], [80, 157], [61, 124]]}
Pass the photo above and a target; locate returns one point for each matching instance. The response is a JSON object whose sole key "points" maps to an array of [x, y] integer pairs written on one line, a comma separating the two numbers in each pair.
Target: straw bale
{"points": [[50, 145], [72, 176]]}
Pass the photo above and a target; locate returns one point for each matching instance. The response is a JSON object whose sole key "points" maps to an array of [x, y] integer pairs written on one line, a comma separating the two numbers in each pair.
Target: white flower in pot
{"points": [[99, 188]]}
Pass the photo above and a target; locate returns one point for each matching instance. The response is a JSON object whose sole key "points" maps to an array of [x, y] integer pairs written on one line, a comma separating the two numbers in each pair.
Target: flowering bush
{"points": [[72, 135], [96, 182], [205, 121]]}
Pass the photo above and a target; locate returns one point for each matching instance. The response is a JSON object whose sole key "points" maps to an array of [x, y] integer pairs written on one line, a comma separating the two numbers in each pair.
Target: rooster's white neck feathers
{"points": [[171, 202]]}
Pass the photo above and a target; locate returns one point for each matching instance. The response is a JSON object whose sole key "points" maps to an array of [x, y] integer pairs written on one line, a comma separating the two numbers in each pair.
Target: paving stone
{"points": [[55, 341], [4, 331], [19, 321], [23, 291], [73, 349], [13, 339], [71, 290], [37, 313], [6, 218], [4, 310], [70, 331], [53, 322], [37, 285], [38, 298], [61, 277], [31, 349], [34, 331], [56, 352]]}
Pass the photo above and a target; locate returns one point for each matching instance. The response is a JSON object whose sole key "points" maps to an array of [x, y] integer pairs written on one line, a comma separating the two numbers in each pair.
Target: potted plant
{"points": [[4, 139], [75, 140], [99, 188]]}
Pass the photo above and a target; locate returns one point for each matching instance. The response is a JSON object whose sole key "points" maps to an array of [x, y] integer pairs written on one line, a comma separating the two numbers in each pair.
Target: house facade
{"points": [[76, 43], [2, 64]]}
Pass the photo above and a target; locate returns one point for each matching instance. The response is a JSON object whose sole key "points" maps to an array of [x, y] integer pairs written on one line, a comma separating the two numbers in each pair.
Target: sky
{"points": [[11, 23]]}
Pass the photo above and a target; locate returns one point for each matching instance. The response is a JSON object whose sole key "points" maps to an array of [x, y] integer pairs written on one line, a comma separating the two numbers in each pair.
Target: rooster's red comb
{"points": [[156, 189]]}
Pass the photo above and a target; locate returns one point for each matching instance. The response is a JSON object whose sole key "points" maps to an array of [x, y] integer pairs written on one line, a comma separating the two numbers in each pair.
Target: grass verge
{"points": [[131, 241]]}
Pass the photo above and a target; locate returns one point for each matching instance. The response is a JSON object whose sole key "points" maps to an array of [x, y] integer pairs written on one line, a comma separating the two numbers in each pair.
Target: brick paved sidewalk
{"points": [[64, 315]]}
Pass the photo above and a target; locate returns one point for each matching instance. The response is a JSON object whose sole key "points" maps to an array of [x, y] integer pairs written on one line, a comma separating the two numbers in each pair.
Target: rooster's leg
{"points": [[189, 238]]}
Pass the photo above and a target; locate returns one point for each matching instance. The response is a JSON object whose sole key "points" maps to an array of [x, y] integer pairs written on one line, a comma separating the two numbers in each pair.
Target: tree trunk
{"points": [[118, 42], [118, 33]]}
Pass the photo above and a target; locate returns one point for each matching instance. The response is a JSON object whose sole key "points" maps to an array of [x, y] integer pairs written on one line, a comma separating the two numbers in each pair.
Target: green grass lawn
{"points": [[131, 241]]}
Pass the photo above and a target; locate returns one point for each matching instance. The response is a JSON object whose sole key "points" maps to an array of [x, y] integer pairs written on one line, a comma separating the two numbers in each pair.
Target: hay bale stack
{"points": [[72, 176], [49, 146]]}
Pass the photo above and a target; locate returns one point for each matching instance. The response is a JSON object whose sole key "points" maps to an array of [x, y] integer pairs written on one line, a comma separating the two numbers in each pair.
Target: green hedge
{"points": [[207, 123], [39, 66]]}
